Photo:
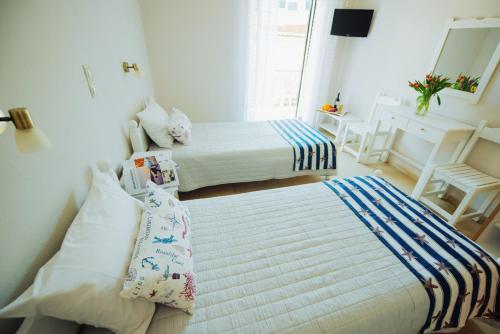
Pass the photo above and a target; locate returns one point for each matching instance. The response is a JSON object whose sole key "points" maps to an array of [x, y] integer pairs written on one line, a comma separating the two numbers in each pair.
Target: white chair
{"points": [[460, 175], [369, 131]]}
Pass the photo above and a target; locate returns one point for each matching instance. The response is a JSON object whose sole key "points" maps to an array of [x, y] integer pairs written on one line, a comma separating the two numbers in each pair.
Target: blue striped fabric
{"points": [[311, 149], [459, 277]]}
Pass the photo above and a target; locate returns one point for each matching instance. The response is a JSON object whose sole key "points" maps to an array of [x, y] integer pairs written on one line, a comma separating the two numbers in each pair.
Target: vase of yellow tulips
{"points": [[427, 88]]}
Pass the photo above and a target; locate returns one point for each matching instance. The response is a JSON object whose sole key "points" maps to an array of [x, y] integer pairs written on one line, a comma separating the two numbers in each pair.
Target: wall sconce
{"points": [[127, 67], [29, 139]]}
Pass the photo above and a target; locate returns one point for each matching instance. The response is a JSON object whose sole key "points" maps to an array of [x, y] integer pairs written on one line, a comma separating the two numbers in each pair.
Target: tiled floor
{"points": [[347, 166]]}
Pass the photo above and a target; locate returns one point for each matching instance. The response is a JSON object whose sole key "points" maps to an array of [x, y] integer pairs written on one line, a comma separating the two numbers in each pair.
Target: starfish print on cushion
{"points": [[483, 255], [475, 270], [452, 242], [442, 266], [421, 239], [429, 285], [461, 298], [408, 254], [377, 231]]}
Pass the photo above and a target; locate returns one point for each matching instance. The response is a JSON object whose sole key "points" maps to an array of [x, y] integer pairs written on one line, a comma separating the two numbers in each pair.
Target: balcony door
{"points": [[278, 41]]}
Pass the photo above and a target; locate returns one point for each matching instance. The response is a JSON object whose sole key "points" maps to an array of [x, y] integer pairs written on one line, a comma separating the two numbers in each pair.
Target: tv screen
{"points": [[351, 22]]}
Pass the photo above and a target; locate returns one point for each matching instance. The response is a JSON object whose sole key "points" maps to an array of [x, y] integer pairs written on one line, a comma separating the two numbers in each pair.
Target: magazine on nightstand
{"points": [[154, 166]]}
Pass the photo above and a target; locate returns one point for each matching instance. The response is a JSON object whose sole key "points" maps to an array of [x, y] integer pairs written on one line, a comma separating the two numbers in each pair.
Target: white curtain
{"points": [[259, 25], [316, 85], [319, 78]]}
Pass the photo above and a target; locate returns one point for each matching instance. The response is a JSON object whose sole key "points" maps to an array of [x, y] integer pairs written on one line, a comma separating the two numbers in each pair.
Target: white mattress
{"points": [[294, 260], [222, 153]]}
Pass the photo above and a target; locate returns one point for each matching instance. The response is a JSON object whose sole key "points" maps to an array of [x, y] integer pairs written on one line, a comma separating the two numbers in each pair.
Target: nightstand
{"points": [[334, 124], [156, 166]]}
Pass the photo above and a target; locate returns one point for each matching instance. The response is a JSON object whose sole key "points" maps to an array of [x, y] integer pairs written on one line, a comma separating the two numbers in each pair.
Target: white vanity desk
{"points": [[446, 136]]}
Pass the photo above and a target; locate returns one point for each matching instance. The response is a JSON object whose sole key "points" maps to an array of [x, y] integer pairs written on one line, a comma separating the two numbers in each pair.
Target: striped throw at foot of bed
{"points": [[460, 279], [311, 149]]}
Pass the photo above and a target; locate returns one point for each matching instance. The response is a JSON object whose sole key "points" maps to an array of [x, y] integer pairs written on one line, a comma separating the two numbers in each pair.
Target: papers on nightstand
{"points": [[155, 166]]}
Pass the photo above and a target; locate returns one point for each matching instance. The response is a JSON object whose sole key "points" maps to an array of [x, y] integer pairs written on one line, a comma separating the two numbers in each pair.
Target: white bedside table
{"points": [[172, 187], [174, 191], [334, 124]]}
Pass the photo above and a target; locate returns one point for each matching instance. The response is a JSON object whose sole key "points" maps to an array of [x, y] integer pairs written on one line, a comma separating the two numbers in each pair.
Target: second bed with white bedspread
{"points": [[221, 153], [299, 260]]}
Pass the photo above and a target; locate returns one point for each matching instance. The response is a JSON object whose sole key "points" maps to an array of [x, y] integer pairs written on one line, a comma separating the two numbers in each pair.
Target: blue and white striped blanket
{"points": [[311, 149], [459, 277]]}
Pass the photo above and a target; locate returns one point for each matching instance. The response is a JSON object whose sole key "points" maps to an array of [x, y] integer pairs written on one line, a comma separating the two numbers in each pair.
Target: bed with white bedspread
{"points": [[231, 152], [351, 255]]}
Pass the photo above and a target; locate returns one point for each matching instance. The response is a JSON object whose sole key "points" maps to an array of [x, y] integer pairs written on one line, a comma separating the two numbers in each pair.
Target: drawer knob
{"points": [[392, 117], [422, 129]]}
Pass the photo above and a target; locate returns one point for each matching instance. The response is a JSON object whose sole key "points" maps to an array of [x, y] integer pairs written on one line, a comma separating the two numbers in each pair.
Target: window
{"points": [[292, 5], [277, 45]]}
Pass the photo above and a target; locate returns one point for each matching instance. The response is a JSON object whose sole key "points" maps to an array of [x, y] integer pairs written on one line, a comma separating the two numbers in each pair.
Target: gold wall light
{"points": [[127, 67], [29, 138]]}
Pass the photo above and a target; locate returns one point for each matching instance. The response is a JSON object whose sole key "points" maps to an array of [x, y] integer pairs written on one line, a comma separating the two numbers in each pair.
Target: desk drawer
{"points": [[424, 131], [394, 120]]}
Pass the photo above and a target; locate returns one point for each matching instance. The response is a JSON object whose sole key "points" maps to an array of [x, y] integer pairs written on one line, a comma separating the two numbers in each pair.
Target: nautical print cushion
{"points": [[161, 269]]}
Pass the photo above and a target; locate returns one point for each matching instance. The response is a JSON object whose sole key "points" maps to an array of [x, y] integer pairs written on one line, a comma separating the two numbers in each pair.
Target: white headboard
{"points": [[138, 138]]}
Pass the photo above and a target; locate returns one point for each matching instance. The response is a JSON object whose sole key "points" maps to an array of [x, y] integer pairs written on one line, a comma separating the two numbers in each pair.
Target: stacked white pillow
{"points": [[155, 120], [163, 128], [161, 269], [82, 282]]}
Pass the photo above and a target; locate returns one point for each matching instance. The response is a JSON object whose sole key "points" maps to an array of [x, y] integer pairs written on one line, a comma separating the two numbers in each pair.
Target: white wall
{"points": [[196, 50], [402, 40], [43, 45]]}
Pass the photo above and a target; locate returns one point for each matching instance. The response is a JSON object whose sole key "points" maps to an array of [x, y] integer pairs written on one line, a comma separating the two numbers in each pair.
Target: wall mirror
{"points": [[468, 54]]}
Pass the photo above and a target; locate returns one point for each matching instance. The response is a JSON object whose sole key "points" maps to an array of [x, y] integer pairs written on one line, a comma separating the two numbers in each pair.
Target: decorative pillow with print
{"points": [[161, 269], [180, 126]]}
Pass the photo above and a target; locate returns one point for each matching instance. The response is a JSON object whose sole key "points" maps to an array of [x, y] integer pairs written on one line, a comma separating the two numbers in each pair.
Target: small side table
{"points": [[334, 124], [172, 187], [174, 191]]}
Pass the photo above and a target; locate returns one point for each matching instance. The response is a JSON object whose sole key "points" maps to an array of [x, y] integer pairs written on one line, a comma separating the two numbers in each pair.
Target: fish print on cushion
{"points": [[161, 268]]}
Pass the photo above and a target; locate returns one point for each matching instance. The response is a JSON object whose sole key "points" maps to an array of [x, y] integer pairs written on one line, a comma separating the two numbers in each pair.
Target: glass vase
{"points": [[423, 103]]}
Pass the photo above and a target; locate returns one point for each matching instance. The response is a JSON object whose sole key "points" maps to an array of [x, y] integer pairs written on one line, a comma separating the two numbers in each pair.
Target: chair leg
{"points": [[443, 188], [344, 138], [464, 204], [426, 177], [487, 201], [362, 145], [369, 148], [390, 142]]}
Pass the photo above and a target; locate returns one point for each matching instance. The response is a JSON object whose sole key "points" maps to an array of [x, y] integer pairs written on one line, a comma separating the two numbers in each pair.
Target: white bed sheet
{"points": [[293, 260], [232, 152]]}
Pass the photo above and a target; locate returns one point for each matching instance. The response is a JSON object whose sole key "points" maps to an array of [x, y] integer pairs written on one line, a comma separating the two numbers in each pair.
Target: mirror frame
{"points": [[490, 68]]}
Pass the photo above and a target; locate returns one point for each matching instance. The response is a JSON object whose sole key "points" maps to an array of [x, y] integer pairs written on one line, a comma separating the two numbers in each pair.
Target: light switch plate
{"points": [[90, 80]]}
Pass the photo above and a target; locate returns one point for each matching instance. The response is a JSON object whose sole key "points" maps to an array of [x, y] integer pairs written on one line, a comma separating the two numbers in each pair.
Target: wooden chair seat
{"points": [[462, 176], [465, 177]]}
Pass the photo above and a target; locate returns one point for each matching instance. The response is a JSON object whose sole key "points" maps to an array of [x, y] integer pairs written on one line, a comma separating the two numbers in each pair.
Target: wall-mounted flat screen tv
{"points": [[351, 22]]}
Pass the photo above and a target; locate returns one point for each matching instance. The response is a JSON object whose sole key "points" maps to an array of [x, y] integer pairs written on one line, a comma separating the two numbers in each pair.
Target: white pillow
{"points": [[154, 120], [180, 126], [82, 282], [161, 269]]}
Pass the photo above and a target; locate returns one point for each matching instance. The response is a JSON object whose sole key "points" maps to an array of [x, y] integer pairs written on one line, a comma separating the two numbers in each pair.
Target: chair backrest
{"points": [[490, 134], [382, 101]]}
